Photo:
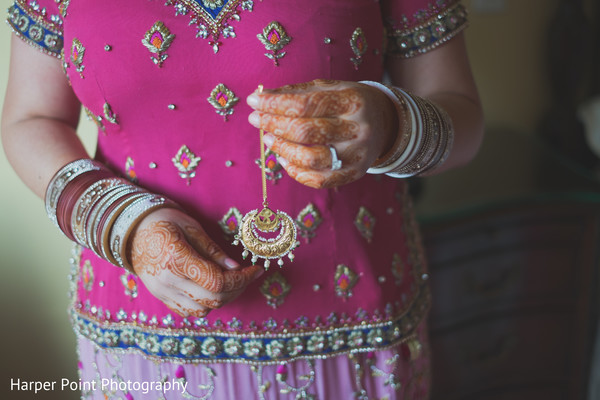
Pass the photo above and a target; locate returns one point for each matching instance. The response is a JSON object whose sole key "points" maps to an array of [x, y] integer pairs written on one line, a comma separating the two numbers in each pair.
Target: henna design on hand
{"points": [[162, 246], [331, 103], [310, 130], [320, 180]]}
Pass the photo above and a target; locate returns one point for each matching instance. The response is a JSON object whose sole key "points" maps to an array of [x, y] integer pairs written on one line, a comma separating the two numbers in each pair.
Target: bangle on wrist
{"points": [[424, 140], [97, 209]]}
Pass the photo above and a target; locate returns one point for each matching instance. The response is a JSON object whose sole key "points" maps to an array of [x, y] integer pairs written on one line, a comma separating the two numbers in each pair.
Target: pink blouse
{"points": [[166, 84]]}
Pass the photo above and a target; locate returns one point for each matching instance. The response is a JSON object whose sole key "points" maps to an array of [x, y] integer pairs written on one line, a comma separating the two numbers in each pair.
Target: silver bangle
{"points": [[61, 179], [127, 220]]}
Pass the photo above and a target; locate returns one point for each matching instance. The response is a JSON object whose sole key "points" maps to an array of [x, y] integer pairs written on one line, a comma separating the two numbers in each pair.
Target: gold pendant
{"points": [[267, 235]]}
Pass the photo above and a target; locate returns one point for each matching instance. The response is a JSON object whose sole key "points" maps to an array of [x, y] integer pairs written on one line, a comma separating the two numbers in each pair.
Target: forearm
{"points": [[39, 118], [37, 147], [443, 76]]}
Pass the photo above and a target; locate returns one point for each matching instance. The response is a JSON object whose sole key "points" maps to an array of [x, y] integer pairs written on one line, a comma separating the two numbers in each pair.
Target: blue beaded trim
{"points": [[191, 346], [35, 31], [428, 35]]}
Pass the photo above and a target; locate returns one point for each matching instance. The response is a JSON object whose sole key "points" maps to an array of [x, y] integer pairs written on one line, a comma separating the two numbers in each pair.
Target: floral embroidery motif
{"points": [[272, 166], [230, 222], [275, 288], [130, 169], [359, 46], [77, 53], [186, 162], [345, 280], [109, 114], [223, 100], [87, 275], [157, 40], [411, 350], [274, 38], [96, 119], [308, 220], [391, 377], [211, 17], [365, 223], [398, 268], [129, 282]]}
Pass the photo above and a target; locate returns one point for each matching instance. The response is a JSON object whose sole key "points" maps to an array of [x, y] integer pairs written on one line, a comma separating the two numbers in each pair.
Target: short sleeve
{"points": [[39, 23], [418, 26]]}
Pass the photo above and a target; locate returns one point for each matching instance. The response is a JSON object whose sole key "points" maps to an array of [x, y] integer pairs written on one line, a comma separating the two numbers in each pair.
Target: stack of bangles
{"points": [[97, 209], [424, 140]]}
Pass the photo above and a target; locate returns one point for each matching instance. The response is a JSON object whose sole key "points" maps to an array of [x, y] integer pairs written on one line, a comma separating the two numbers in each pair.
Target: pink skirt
{"points": [[401, 372]]}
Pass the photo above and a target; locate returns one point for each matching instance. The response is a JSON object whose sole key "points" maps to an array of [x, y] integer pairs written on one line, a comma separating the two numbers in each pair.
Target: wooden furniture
{"points": [[515, 299]]}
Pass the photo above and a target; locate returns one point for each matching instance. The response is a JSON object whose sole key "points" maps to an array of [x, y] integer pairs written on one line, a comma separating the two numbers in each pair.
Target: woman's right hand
{"points": [[181, 266]]}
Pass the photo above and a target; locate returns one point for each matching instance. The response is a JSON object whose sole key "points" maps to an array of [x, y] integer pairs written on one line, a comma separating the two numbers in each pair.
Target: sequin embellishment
{"points": [[129, 282], [36, 27], [109, 114], [308, 220], [231, 222], [223, 100], [186, 162], [77, 53], [130, 170], [365, 223], [345, 280], [272, 166], [275, 288], [96, 119], [398, 268], [211, 17], [359, 46], [87, 275], [274, 38], [157, 40]]}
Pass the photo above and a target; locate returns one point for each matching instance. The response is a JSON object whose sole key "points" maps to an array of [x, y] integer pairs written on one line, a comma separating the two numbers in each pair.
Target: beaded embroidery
{"points": [[308, 220], [223, 100], [435, 28], [186, 163], [77, 53], [359, 46], [272, 166], [31, 23], [87, 275], [274, 38], [157, 40], [275, 288], [345, 279], [211, 17], [96, 119], [398, 269], [129, 282], [109, 114], [130, 170], [365, 223], [231, 222]]}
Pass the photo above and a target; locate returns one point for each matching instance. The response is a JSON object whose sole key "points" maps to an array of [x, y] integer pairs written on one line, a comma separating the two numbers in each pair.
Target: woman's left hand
{"points": [[303, 121]]}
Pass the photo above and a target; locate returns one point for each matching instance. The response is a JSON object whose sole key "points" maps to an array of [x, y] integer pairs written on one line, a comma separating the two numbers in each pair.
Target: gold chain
{"points": [[263, 161]]}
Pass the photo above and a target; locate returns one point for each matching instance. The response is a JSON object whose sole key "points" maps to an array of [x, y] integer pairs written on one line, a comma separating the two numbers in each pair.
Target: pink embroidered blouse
{"points": [[166, 84]]}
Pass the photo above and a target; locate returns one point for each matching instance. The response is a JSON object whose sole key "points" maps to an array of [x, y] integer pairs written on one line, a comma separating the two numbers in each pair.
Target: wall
{"points": [[37, 342]]}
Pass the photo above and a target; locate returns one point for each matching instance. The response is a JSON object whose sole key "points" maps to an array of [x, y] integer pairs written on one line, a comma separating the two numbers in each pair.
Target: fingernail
{"points": [[284, 163], [254, 119], [268, 139], [252, 100], [231, 263]]}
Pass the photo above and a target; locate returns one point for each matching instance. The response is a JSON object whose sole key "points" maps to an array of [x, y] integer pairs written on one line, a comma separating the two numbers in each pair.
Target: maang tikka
{"points": [[266, 234]]}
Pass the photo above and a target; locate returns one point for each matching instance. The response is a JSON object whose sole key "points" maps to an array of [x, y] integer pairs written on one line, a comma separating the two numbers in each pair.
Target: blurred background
{"points": [[515, 47]]}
